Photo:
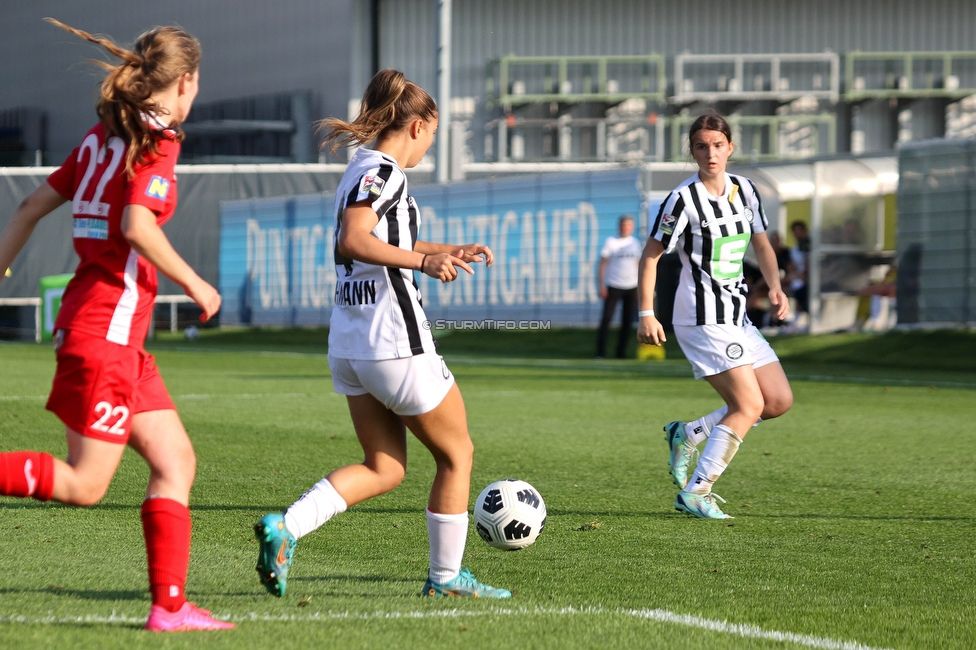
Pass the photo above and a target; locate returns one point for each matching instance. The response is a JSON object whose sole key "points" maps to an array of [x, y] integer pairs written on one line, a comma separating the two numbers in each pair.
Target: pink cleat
{"points": [[185, 619]]}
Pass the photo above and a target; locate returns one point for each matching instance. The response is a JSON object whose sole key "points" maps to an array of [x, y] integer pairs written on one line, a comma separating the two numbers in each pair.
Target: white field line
{"points": [[20, 398], [657, 615]]}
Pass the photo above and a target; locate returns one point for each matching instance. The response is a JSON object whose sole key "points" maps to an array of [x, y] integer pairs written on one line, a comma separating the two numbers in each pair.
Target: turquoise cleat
{"points": [[277, 546], [463, 585], [700, 505], [682, 452]]}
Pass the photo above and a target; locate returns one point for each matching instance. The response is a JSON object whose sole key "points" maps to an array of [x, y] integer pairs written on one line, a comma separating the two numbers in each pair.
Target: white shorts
{"points": [[407, 386], [712, 349]]}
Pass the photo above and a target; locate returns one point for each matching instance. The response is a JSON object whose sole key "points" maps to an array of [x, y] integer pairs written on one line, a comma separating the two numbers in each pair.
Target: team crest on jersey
{"points": [[667, 223], [158, 188], [373, 185]]}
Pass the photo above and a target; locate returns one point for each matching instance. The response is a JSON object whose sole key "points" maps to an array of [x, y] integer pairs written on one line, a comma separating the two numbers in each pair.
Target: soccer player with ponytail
{"points": [[107, 389], [381, 352]]}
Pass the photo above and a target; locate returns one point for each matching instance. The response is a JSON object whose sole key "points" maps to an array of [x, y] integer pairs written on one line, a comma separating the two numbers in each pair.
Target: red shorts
{"points": [[100, 385]]}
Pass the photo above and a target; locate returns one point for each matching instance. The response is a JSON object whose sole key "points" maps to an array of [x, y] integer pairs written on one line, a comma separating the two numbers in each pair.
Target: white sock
{"points": [[700, 429], [314, 508], [448, 534], [721, 447]]}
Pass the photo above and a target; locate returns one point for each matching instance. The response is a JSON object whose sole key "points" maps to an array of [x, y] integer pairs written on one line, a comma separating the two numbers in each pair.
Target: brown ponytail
{"points": [[388, 105], [158, 59]]}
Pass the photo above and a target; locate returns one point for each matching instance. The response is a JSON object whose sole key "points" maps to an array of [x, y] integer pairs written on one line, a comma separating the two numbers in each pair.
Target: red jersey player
{"points": [[107, 390]]}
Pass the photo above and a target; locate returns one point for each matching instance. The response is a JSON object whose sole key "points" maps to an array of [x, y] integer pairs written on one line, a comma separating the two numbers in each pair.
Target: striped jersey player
{"points": [[378, 312], [711, 234], [381, 352], [711, 219]]}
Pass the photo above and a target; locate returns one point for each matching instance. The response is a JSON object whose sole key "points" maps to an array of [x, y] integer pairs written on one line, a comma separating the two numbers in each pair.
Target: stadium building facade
{"points": [[550, 80]]}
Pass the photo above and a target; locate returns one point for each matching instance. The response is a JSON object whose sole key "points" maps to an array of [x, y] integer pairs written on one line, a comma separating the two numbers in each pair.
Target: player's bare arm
{"points": [[766, 257], [31, 210], [140, 229], [649, 328], [357, 242]]}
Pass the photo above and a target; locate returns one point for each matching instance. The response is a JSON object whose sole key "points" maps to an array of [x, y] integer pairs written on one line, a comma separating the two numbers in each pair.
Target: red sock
{"points": [[166, 526], [26, 474]]}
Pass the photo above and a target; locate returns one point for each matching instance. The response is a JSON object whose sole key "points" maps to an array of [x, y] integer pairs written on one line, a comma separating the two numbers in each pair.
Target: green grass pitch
{"points": [[854, 523]]}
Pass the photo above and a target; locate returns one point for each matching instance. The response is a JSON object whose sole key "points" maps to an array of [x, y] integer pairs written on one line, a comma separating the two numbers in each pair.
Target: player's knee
{"points": [[778, 406], [176, 468], [388, 474], [752, 407], [460, 456], [393, 476], [87, 493]]}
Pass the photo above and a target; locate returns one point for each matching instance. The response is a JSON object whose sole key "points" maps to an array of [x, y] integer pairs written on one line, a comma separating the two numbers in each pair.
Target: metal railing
{"points": [[172, 301], [886, 75], [612, 138], [27, 302], [744, 77], [517, 80], [631, 139], [767, 137]]}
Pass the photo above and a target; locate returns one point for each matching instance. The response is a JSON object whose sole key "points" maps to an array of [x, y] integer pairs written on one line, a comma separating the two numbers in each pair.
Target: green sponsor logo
{"points": [[727, 256]]}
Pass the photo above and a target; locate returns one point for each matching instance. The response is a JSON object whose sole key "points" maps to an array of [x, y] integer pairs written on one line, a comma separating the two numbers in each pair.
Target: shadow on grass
{"points": [[339, 578], [83, 594]]}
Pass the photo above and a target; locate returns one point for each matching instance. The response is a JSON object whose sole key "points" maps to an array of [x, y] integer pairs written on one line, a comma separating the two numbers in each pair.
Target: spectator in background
{"points": [[796, 274], [757, 300], [782, 252], [618, 283], [757, 303]]}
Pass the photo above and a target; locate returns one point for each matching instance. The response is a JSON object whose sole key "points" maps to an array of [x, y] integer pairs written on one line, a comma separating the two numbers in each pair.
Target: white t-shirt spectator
{"points": [[622, 255]]}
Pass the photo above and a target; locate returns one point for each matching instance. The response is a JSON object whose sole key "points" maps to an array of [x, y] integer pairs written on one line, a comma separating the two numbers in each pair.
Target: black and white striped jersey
{"points": [[711, 235], [377, 312]]}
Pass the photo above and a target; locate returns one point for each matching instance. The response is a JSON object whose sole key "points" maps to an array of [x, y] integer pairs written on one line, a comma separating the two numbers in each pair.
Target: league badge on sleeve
{"points": [[667, 223], [373, 185], [158, 188]]}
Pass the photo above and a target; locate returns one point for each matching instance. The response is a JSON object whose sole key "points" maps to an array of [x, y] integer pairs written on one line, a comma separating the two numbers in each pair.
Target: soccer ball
{"points": [[509, 514], [192, 333]]}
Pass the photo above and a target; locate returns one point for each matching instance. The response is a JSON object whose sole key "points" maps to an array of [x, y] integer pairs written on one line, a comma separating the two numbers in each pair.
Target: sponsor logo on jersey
{"points": [[723, 220], [734, 351], [85, 228], [667, 223], [158, 188], [373, 185]]}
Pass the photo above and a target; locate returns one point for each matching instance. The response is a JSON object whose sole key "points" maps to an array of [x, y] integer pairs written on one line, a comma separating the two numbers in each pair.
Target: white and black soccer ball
{"points": [[192, 333], [509, 514]]}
